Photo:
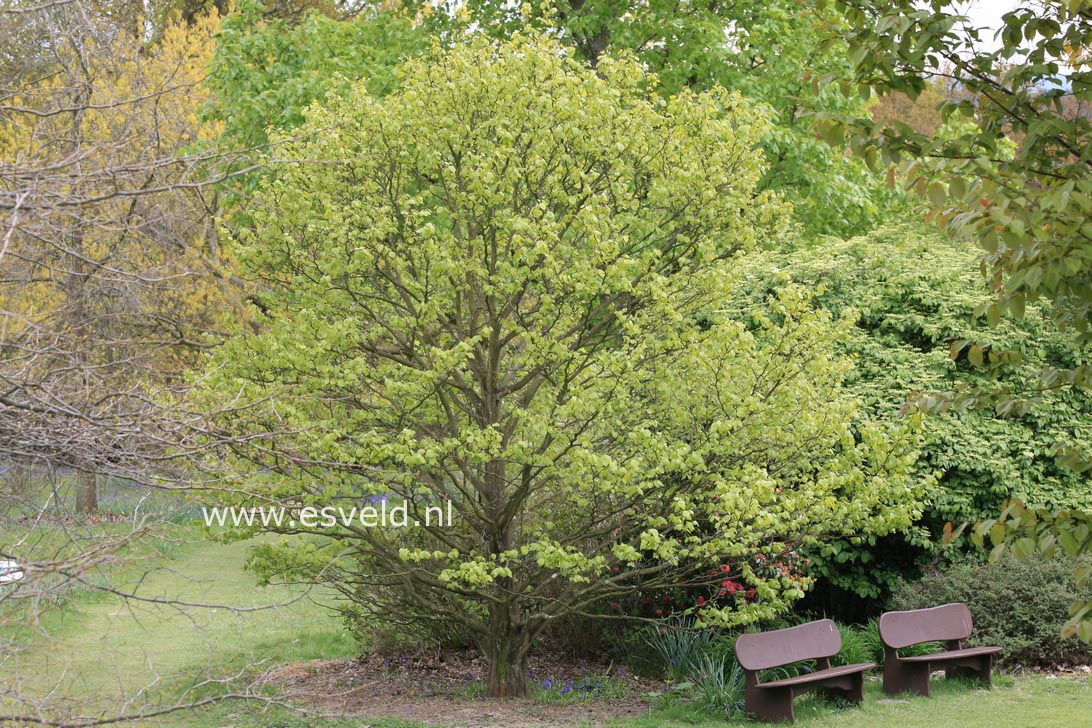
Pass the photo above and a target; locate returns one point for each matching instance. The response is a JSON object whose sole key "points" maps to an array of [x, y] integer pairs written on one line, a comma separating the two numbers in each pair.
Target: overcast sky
{"points": [[987, 14]]}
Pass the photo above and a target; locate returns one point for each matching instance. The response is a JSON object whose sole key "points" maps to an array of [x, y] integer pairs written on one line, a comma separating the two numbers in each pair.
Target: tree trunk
{"points": [[508, 673], [87, 492], [19, 481]]}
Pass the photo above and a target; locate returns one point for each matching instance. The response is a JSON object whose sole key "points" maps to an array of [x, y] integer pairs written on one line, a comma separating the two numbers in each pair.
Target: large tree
{"points": [[500, 287]]}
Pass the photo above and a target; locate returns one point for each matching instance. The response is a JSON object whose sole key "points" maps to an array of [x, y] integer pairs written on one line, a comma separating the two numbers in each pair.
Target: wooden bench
{"points": [[819, 641], [950, 624]]}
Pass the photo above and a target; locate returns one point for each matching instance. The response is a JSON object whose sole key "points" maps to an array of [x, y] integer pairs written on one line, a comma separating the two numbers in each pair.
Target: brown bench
{"points": [[818, 641], [950, 624]]}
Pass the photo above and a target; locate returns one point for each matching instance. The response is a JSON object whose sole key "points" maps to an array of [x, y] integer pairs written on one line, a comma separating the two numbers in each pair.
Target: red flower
{"points": [[659, 612], [701, 601], [751, 593], [725, 568]]}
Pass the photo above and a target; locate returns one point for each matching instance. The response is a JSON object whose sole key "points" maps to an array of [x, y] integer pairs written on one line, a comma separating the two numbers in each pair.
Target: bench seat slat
{"points": [[953, 654], [818, 675]]}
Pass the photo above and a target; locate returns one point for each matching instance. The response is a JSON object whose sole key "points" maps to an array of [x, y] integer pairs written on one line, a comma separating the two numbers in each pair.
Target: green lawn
{"points": [[100, 649], [1026, 702]]}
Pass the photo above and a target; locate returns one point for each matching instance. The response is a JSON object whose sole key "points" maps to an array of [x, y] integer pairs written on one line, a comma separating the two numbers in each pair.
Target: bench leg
{"points": [[980, 672], [856, 693], [906, 677], [770, 704], [847, 687], [986, 669]]}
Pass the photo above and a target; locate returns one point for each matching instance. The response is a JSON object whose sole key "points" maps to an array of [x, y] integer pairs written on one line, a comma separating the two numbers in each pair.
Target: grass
{"points": [[135, 527], [1012, 703], [98, 649]]}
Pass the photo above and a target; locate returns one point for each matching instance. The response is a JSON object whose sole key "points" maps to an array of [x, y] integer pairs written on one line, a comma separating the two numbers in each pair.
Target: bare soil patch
{"points": [[444, 688]]}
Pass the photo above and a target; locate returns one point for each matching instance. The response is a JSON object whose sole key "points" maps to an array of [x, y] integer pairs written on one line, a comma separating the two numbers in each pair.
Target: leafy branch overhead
{"points": [[1011, 165]]}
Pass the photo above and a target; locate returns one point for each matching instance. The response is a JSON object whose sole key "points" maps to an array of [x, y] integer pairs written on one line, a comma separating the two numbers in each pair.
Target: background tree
{"points": [[266, 71], [111, 283], [110, 276], [500, 286], [772, 51], [920, 113]]}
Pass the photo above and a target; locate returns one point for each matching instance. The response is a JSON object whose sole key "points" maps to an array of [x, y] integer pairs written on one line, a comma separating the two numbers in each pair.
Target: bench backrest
{"points": [[944, 623], [763, 650]]}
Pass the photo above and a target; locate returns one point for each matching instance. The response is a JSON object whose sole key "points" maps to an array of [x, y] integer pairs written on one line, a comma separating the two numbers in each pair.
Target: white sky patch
{"points": [[987, 14]]}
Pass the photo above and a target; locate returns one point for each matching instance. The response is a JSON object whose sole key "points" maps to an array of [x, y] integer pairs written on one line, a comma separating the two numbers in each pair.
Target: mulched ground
{"points": [[439, 688]]}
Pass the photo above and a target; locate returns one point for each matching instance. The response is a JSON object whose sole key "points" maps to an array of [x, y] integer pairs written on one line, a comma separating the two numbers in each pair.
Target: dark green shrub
{"points": [[584, 637], [916, 294], [630, 646], [1019, 605]]}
